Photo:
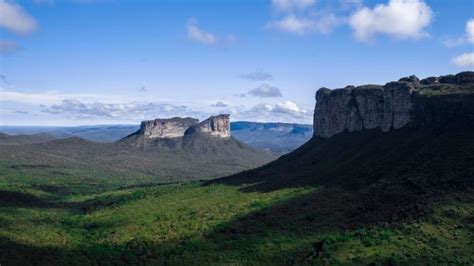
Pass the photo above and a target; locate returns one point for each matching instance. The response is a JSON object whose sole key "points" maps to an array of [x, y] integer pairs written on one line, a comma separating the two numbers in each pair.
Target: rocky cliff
{"points": [[394, 105], [166, 128], [174, 129], [218, 126]]}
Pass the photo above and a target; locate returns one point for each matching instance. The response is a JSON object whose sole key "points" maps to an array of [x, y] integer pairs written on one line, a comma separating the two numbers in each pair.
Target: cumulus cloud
{"points": [[266, 91], [288, 107], [14, 18], [284, 111], [465, 60], [470, 30], [83, 107], [292, 24], [303, 25], [195, 33], [258, 75], [398, 18], [467, 38], [291, 5]]}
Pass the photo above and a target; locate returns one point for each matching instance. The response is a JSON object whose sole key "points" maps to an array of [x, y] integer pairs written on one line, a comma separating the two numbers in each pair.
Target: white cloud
{"points": [[288, 107], [287, 111], [292, 24], [14, 18], [196, 34], [303, 25], [470, 30], [77, 108], [398, 18], [291, 5], [266, 91], [465, 60], [467, 38], [84, 108]]}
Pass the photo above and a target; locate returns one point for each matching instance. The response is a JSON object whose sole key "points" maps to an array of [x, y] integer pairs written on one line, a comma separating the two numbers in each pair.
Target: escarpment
{"points": [[434, 101], [166, 128], [177, 127], [218, 126]]}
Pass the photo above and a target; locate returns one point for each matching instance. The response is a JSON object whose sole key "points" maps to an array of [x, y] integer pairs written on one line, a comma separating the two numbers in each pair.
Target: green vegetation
{"points": [[66, 216], [446, 89]]}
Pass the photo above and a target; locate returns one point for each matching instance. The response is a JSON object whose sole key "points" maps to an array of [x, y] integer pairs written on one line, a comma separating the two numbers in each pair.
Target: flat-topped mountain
{"points": [[168, 149], [278, 138], [392, 106], [166, 128], [174, 129], [379, 154], [218, 126]]}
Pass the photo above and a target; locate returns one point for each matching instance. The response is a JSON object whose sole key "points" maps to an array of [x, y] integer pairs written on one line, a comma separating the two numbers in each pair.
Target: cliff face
{"points": [[218, 126], [166, 128], [391, 106], [174, 129]]}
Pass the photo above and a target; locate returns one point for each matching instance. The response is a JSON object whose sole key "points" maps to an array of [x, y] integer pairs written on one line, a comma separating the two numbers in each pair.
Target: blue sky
{"points": [[75, 62]]}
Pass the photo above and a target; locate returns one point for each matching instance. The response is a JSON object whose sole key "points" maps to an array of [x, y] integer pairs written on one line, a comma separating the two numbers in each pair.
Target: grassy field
{"points": [[86, 218]]}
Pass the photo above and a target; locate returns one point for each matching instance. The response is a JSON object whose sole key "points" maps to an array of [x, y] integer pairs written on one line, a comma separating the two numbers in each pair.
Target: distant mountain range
{"points": [[162, 150], [278, 138], [275, 137]]}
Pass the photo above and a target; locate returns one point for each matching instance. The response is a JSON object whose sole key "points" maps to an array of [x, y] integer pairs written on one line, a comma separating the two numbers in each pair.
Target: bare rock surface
{"points": [[385, 107], [166, 128], [218, 126]]}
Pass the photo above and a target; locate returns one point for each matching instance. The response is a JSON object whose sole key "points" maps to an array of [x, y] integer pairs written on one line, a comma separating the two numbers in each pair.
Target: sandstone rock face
{"points": [[364, 107], [218, 126], [385, 107], [166, 128]]}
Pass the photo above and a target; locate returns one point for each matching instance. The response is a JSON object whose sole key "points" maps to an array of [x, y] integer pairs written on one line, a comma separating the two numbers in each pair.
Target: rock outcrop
{"points": [[177, 127], [166, 128], [387, 107], [218, 126]]}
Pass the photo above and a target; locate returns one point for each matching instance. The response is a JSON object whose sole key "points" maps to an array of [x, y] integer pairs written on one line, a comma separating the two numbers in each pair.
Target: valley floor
{"points": [[52, 219]]}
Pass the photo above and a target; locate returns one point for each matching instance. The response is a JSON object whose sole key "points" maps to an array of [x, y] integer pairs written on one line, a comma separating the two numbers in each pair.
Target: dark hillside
{"points": [[375, 176], [25, 139]]}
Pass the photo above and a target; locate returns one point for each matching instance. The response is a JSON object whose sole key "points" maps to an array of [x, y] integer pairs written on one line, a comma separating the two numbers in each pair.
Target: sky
{"points": [[83, 62]]}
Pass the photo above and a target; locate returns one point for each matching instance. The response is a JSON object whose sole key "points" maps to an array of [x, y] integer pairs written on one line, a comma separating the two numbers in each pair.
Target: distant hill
{"points": [[207, 151], [275, 137], [379, 153], [25, 139], [97, 133], [278, 138]]}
